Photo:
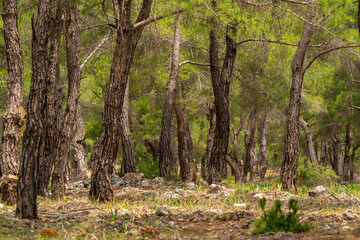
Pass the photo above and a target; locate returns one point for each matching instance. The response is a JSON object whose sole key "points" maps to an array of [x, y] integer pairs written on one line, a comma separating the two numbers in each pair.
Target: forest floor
{"points": [[152, 209]]}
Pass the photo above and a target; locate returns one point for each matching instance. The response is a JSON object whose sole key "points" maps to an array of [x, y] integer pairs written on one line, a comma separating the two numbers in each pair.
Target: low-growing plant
{"points": [[113, 214], [275, 220]]}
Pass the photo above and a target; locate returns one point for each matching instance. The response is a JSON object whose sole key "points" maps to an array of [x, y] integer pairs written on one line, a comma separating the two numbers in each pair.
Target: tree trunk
{"points": [[66, 131], [127, 38], [220, 78], [292, 137], [128, 163], [185, 144], [252, 161], [337, 155], [309, 140], [263, 154], [166, 155], [324, 152], [354, 149], [14, 116], [209, 141], [174, 164], [79, 161], [33, 137], [348, 143], [51, 103]]}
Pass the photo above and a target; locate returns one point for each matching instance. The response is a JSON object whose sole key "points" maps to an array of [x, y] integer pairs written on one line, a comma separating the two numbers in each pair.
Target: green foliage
{"points": [[146, 164], [113, 214], [314, 174], [275, 220]]}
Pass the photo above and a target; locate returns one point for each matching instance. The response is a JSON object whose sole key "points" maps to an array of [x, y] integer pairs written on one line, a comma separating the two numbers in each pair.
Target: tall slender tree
{"points": [[33, 137], [166, 153], [14, 116]]}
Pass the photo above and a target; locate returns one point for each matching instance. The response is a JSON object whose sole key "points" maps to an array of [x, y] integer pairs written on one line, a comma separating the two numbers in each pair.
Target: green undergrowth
{"points": [[275, 220]]}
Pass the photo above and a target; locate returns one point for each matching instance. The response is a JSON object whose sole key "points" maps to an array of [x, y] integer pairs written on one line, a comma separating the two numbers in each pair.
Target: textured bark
{"points": [[51, 103], [348, 142], [292, 136], [220, 78], [174, 164], [128, 163], [33, 137], [354, 149], [79, 161], [236, 165], [337, 163], [309, 140], [127, 38], [263, 154], [209, 141], [66, 130], [185, 145], [166, 153], [252, 162], [324, 152], [14, 116]]}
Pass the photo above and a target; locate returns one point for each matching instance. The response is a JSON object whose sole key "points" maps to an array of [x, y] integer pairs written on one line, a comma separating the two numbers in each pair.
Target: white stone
{"points": [[240, 205]]}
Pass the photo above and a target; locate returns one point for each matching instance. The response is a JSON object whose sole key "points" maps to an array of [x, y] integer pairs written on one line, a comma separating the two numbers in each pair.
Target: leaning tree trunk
{"points": [[51, 94], [166, 153], [220, 77], [309, 140], [126, 41], [348, 143], [209, 141], [14, 116], [292, 137], [66, 130], [79, 161], [128, 163], [33, 137], [185, 145], [263, 154]]}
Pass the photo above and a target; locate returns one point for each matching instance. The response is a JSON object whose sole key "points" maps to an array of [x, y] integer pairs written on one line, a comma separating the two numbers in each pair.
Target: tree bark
{"points": [[348, 142], [14, 116], [236, 165], [324, 152], [220, 78], [185, 145], [252, 162], [337, 155], [79, 161], [174, 164], [128, 163], [209, 141], [166, 153], [309, 140], [33, 137], [292, 137], [66, 131], [263, 154], [127, 38], [354, 149], [51, 103]]}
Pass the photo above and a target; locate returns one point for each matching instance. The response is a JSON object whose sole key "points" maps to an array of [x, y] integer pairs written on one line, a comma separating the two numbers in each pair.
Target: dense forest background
{"points": [[214, 88]]}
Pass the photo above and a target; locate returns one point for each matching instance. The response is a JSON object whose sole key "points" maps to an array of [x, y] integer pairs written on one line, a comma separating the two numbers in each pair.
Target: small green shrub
{"points": [[313, 174], [275, 220], [113, 214], [146, 164]]}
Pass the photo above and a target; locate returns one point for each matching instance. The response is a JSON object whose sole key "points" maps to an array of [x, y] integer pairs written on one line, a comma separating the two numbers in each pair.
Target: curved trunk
{"points": [[52, 97], [33, 137], [106, 150], [14, 116], [166, 153], [220, 78], [128, 163], [292, 136]]}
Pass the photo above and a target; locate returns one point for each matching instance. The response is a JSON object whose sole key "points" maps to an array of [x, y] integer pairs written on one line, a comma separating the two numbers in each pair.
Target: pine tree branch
{"points": [[327, 51], [273, 41], [155, 18], [194, 63]]}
